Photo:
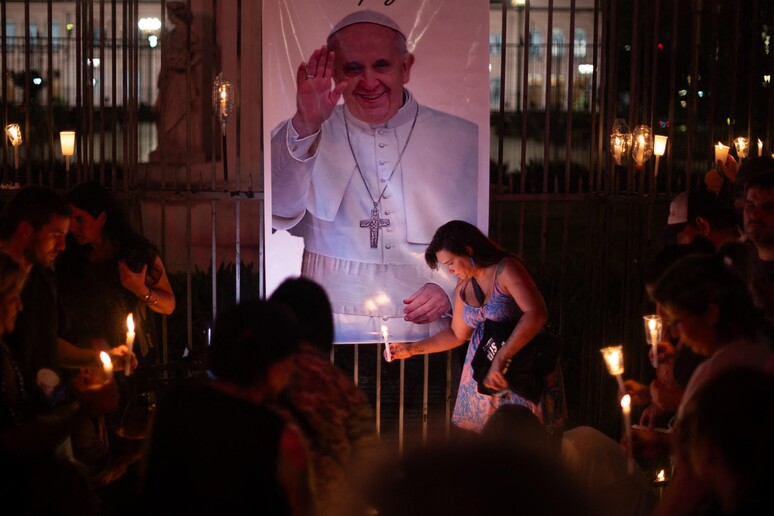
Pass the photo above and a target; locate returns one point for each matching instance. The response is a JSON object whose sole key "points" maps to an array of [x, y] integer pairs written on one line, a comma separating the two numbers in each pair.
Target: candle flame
{"points": [[13, 131], [223, 93], [661, 476], [384, 331], [626, 401], [130, 323], [652, 325], [105, 358]]}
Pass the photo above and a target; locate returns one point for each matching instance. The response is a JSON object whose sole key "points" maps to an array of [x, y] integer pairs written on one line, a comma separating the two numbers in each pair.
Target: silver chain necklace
{"points": [[375, 223]]}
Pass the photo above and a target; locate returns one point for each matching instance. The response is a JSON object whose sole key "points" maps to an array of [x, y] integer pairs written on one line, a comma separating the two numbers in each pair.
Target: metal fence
{"points": [[585, 226]]}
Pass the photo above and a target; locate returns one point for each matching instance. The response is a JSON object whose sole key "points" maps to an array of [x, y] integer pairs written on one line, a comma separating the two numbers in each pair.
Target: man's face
{"points": [[759, 216], [369, 59], [46, 243]]}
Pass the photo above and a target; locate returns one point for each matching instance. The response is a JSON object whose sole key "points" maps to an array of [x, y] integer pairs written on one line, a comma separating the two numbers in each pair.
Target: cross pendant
{"points": [[373, 224]]}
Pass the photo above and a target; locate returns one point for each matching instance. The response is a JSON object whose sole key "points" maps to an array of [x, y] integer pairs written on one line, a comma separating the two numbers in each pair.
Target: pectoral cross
{"points": [[373, 224]]}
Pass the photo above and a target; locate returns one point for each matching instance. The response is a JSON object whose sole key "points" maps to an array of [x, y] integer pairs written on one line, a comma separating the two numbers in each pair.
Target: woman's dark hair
{"points": [[132, 247], [464, 239], [672, 253], [311, 306], [12, 277], [249, 338], [695, 282]]}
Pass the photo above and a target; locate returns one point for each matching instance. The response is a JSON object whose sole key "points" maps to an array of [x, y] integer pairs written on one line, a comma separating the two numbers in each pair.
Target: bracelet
{"points": [[146, 298]]}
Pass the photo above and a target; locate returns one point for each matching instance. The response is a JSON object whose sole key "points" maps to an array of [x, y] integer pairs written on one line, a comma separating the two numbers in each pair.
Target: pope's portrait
{"points": [[365, 172]]}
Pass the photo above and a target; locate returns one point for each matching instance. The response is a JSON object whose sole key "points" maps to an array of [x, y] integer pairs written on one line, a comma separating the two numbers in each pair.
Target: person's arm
{"points": [[514, 279], [158, 297], [73, 357], [293, 472], [447, 339]]}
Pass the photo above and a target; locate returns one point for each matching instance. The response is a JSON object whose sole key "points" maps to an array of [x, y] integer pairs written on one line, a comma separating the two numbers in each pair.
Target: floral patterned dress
{"points": [[473, 409]]}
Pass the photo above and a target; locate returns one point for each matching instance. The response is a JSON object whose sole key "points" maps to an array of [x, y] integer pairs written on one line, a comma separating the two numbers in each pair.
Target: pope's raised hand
{"points": [[315, 97]]}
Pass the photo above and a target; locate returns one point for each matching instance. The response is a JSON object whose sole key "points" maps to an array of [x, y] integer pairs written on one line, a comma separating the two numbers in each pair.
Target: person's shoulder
{"points": [[428, 114]]}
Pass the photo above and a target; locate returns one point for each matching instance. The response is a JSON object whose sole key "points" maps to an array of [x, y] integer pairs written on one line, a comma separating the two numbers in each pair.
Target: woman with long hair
{"points": [[492, 284]]}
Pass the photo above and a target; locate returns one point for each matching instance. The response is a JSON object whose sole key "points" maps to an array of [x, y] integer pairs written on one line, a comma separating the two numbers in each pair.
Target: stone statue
{"points": [[179, 103]]}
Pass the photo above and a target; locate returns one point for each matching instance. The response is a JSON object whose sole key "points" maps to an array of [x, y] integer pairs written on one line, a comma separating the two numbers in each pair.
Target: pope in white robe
{"points": [[367, 183]]}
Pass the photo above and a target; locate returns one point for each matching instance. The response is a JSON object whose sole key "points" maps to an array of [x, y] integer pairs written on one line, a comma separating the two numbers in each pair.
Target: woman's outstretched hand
{"points": [[398, 350]]}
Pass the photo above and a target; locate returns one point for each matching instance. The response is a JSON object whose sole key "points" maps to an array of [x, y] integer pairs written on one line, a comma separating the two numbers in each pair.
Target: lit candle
{"points": [[721, 153], [14, 134], [107, 366], [653, 329], [67, 142], [613, 356], [626, 408], [640, 158], [223, 101], [617, 150], [129, 343], [741, 144], [760, 147], [386, 344]]}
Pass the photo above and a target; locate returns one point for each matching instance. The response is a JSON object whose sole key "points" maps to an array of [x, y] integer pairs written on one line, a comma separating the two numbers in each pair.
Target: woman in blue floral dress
{"points": [[493, 284]]}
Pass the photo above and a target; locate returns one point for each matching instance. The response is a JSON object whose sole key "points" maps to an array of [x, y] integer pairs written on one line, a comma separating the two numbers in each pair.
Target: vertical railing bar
{"points": [[136, 90], [401, 401], [547, 103], [634, 77], [214, 258], [524, 98], [238, 96], [188, 278], [88, 101], [597, 119], [238, 251], [214, 126], [501, 123], [162, 87], [378, 402], [770, 113], [188, 86], [4, 84], [50, 88], [611, 78], [164, 320], [672, 87], [654, 81], [102, 91], [425, 397], [713, 79], [356, 364], [734, 78], [262, 290], [27, 70], [570, 76], [694, 74], [125, 90], [114, 95], [753, 57], [447, 425]]}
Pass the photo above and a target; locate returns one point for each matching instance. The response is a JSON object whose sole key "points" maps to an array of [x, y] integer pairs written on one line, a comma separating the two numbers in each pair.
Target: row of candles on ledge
{"points": [[66, 141], [641, 144], [614, 360]]}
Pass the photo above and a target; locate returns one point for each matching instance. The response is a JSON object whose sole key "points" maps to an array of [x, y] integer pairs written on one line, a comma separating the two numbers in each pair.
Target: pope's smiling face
{"points": [[373, 62]]}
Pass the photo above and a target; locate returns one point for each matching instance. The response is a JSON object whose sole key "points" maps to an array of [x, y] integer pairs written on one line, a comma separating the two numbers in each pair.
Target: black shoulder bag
{"points": [[527, 370]]}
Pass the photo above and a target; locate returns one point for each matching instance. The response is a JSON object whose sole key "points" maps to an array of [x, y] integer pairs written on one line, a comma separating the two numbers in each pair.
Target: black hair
{"points": [[464, 239], [695, 282], [33, 204], [249, 338], [672, 253], [311, 306], [762, 182]]}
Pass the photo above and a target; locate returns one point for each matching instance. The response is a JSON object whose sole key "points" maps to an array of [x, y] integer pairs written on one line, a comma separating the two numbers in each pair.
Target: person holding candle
{"points": [[107, 272], [713, 312], [492, 284]]}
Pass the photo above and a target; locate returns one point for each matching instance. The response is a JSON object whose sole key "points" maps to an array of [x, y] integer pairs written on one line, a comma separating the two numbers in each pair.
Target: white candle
{"points": [[760, 147], [107, 366], [721, 153], [617, 151], [129, 343], [640, 158], [386, 344], [654, 338], [626, 408]]}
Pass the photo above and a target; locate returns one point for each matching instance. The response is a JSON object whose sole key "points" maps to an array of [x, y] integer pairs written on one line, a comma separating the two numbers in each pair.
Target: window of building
{"points": [[557, 43], [535, 43], [580, 43]]}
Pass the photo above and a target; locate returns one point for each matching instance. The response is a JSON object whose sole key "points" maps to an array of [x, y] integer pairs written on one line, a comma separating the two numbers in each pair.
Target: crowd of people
{"points": [[276, 427]]}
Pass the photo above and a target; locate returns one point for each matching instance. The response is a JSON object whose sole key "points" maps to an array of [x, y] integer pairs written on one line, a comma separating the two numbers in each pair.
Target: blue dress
{"points": [[472, 409]]}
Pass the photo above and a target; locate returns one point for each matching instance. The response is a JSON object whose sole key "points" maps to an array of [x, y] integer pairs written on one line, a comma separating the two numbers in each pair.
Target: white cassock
{"points": [[318, 193]]}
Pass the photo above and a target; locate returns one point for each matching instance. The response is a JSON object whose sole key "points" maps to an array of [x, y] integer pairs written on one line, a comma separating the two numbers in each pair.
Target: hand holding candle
{"points": [[387, 353], [107, 366], [129, 343]]}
